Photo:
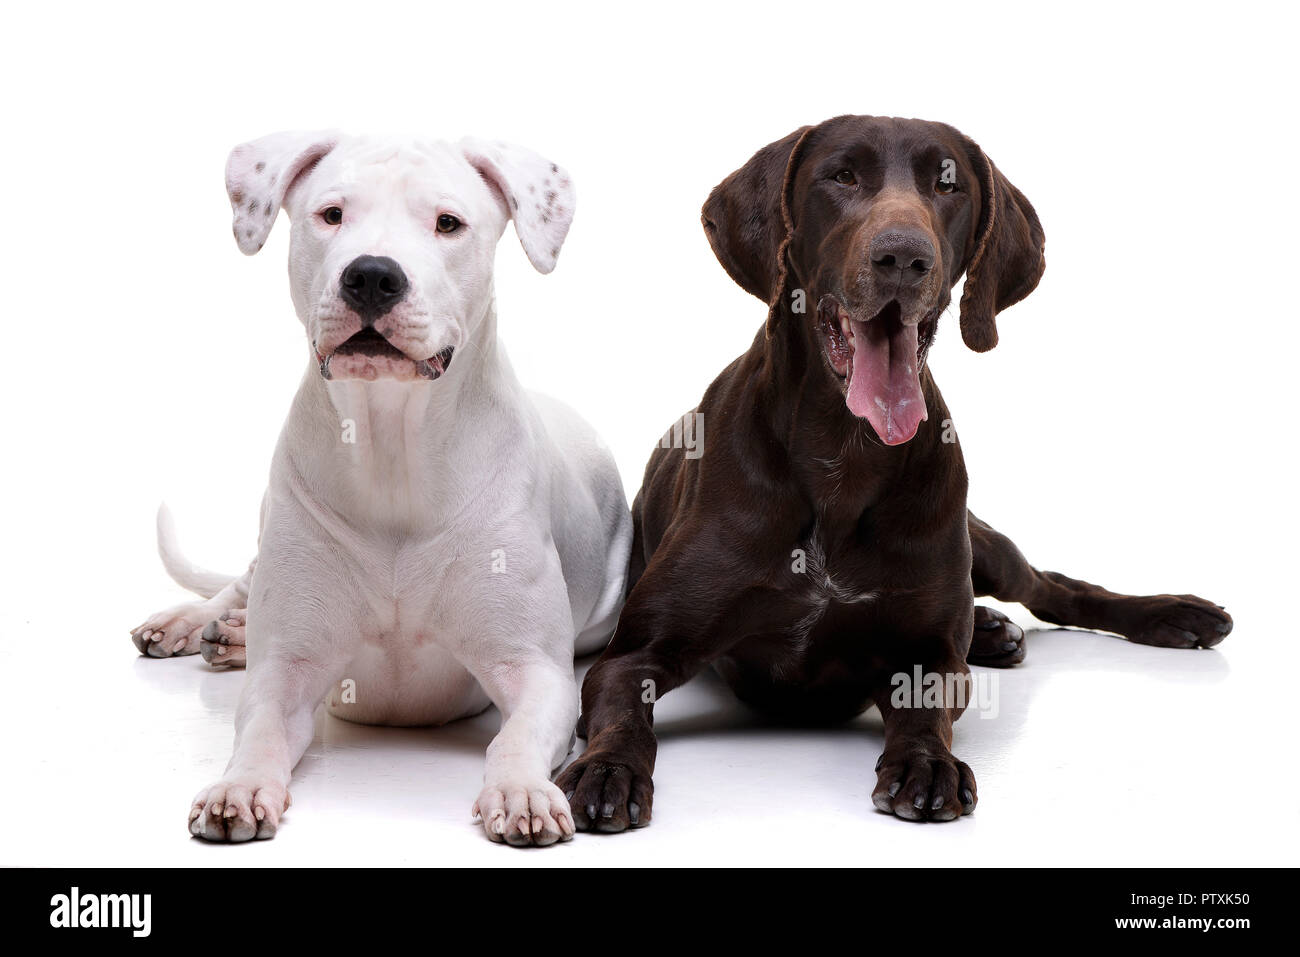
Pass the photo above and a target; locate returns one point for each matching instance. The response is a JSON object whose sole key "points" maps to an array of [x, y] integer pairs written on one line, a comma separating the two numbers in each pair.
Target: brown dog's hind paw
{"points": [[606, 795], [997, 641], [1179, 621], [921, 786], [222, 644]]}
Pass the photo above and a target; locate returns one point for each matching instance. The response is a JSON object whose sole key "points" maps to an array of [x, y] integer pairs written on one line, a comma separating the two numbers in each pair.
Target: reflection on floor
{"points": [[1100, 752]]}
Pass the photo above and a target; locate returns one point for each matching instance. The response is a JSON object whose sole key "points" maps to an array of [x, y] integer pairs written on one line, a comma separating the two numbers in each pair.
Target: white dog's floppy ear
{"points": [[259, 174], [539, 195]]}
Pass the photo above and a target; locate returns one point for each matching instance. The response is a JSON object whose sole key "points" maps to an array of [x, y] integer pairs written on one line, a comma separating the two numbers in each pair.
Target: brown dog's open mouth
{"points": [[368, 355], [880, 360]]}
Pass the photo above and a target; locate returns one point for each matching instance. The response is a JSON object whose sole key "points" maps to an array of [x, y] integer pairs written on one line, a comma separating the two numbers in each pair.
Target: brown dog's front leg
{"points": [[681, 615], [609, 787], [1171, 621], [918, 779]]}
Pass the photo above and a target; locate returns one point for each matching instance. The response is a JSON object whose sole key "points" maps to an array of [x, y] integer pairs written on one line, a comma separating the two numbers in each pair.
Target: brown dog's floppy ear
{"points": [[1008, 258], [259, 174], [747, 219]]}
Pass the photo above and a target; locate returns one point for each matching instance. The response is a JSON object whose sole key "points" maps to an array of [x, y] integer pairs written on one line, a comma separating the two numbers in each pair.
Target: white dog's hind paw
{"points": [[175, 631], [222, 644], [534, 814], [232, 812]]}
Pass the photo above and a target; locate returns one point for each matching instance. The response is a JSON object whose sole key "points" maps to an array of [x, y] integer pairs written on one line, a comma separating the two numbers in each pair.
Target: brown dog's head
{"points": [[872, 221]]}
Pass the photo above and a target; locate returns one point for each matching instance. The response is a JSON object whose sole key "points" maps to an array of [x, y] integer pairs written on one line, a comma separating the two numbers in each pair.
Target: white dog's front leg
{"points": [[273, 727], [538, 700]]}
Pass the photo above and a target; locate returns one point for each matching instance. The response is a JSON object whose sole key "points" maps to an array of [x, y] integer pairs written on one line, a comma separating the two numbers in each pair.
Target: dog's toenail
{"points": [[880, 762], [1008, 646], [633, 812], [936, 803], [568, 795], [919, 801], [895, 787], [591, 812], [966, 797], [607, 811]]}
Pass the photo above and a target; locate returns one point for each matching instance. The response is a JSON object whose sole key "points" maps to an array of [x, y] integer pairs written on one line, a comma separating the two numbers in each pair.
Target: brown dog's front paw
{"points": [[1179, 621], [606, 794], [997, 641], [923, 786]]}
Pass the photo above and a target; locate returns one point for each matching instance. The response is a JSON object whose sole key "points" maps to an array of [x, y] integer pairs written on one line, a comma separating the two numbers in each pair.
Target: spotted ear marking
{"points": [[538, 194], [259, 174]]}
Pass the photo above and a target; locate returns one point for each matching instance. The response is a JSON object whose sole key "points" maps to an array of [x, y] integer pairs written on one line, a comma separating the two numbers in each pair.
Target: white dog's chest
{"points": [[398, 682], [402, 669], [405, 598]]}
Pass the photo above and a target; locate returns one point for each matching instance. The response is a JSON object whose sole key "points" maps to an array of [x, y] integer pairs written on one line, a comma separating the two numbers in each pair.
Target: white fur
{"points": [[470, 538]]}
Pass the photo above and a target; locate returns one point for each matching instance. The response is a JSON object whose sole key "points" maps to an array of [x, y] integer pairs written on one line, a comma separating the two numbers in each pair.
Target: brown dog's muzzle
{"points": [[877, 335], [901, 257], [897, 256]]}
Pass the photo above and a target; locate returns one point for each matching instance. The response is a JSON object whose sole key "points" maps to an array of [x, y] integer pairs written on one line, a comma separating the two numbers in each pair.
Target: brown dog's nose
{"points": [[372, 285], [902, 254]]}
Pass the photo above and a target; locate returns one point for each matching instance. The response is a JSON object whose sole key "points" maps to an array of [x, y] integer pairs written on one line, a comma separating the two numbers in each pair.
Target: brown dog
{"points": [[821, 544]]}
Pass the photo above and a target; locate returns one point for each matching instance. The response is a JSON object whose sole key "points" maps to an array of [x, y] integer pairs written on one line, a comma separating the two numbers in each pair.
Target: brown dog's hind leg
{"points": [[1170, 621]]}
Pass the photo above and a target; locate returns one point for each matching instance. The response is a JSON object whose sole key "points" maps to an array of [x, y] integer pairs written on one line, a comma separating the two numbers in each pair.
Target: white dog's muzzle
{"points": [[372, 299]]}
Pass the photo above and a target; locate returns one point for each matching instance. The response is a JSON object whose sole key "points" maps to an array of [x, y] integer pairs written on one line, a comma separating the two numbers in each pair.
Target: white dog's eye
{"points": [[332, 215], [448, 224]]}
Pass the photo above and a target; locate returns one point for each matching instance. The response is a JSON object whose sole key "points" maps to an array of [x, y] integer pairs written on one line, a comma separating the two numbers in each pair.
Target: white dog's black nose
{"points": [[372, 285]]}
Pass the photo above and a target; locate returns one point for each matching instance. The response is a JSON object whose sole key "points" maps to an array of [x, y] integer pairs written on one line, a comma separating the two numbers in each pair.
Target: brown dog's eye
{"points": [[845, 177], [945, 187], [448, 224], [332, 215]]}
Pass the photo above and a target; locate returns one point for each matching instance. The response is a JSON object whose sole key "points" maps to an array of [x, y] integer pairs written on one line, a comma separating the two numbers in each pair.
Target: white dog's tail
{"points": [[201, 581]]}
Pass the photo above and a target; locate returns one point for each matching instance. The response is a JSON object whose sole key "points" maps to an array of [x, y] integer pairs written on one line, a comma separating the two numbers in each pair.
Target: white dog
{"points": [[433, 539]]}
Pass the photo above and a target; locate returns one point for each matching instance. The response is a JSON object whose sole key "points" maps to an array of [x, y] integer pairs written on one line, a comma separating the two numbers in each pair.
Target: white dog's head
{"points": [[390, 258]]}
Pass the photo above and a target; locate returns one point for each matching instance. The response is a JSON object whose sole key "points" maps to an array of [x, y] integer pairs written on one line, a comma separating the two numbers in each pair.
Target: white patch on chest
{"points": [[821, 589]]}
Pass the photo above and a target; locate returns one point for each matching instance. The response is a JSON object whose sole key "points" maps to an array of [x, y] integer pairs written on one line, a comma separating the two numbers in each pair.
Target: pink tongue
{"points": [[884, 387]]}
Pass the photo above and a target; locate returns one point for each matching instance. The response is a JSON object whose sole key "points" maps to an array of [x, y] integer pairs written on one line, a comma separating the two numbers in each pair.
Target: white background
{"points": [[1134, 427]]}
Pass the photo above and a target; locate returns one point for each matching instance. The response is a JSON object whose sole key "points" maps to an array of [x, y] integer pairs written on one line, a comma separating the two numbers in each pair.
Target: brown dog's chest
{"points": [[841, 615]]}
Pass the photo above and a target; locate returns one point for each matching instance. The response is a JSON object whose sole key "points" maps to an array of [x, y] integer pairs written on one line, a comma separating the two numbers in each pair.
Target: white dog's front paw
{"points": [[234, 811], [524, 813], [175, 631]]}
